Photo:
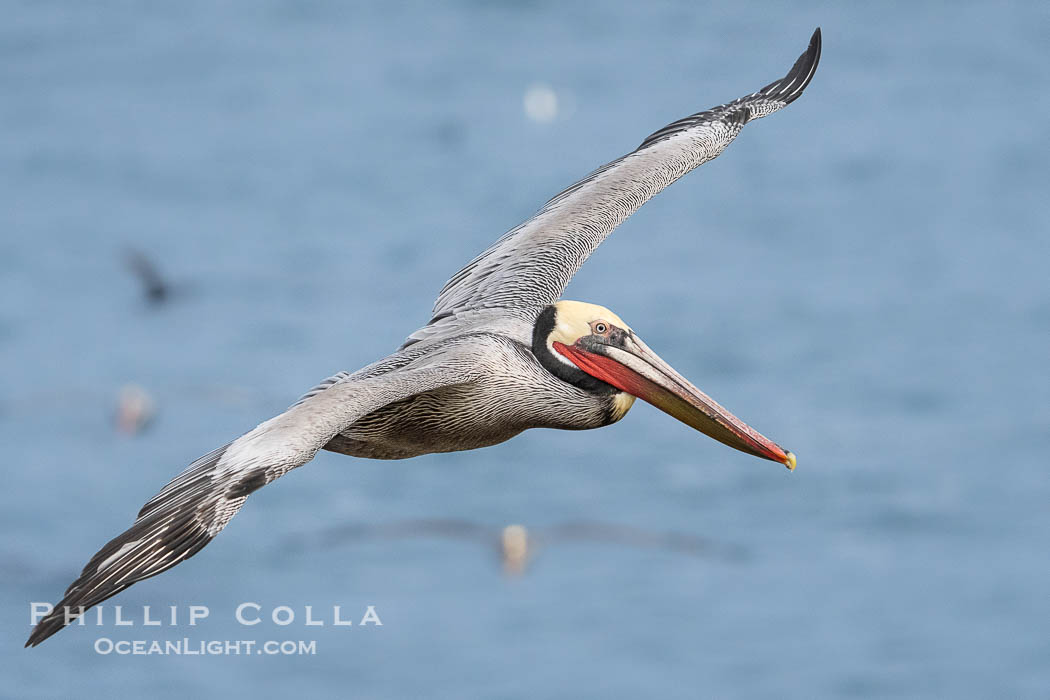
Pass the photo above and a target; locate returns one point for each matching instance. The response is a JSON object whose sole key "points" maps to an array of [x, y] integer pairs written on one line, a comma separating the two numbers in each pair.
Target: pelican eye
{"points": [[601, 328]]}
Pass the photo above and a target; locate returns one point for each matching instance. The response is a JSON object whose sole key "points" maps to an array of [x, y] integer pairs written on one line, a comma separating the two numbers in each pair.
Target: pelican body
{"points": [[501, 354]]}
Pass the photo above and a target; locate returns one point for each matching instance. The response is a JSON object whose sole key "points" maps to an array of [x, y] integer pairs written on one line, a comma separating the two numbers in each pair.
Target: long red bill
{"points": [[641, 373]]}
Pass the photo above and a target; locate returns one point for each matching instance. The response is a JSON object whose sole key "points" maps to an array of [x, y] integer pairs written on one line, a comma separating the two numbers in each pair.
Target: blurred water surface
{"points": [[862, 277]]}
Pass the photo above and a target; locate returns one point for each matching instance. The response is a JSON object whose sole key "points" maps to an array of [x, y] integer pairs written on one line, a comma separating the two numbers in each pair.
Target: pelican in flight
{"points": [[515, 543], [501, 354]]}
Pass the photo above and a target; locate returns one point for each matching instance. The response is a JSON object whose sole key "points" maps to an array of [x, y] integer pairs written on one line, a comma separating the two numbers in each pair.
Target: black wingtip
{"points": [[42, 631], [53, 622], [813, 51], [790, 87], [814, 47], [739, 112]]}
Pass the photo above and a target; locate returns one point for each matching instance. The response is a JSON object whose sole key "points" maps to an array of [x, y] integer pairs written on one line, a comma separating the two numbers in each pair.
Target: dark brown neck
{"points": [[560, 369]]}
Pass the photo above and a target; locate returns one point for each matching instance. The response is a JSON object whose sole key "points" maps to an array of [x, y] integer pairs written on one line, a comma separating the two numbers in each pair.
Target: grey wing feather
{"points": [[198, 503], [530, 265], [321, 386]]}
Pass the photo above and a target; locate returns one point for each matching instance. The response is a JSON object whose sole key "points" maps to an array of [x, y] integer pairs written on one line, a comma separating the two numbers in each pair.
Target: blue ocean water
{"points": [[862, 277]]}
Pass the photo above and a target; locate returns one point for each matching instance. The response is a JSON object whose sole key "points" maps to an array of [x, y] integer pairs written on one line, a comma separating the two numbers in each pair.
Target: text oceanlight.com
{"points": [[214, 647]]}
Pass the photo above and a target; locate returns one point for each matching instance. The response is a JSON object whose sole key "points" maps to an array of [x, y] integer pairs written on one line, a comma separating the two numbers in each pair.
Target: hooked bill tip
{"points": [[790, 461]]}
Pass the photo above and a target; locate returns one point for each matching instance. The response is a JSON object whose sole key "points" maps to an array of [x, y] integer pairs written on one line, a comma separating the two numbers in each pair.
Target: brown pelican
{"points": [[518, 545], [515, 543], [501, 354]]}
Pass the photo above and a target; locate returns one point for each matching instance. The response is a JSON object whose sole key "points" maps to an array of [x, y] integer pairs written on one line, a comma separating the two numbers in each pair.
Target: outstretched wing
{"points": [[448, 528], [531, 264], [196, 505], [612, 533]]}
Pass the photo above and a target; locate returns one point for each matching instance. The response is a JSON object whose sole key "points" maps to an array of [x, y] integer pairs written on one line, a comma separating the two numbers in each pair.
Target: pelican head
{"points": [[592, 348]]}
